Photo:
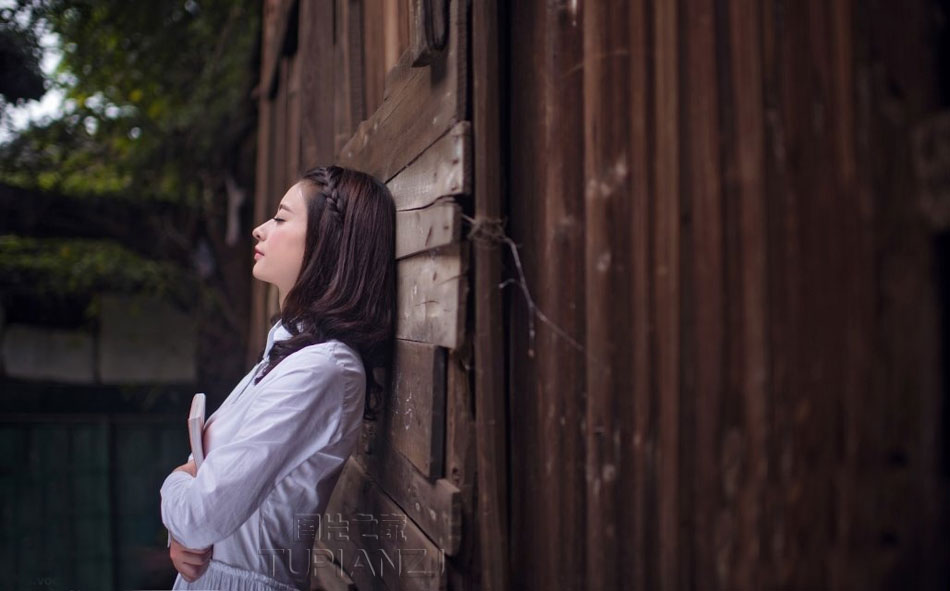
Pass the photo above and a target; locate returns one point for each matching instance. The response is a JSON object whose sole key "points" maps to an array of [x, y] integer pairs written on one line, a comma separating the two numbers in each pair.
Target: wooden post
{"points": [[490, 399]]}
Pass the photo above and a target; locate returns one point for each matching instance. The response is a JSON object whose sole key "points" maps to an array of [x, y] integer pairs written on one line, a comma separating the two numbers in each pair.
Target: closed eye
{"points": [[278, 219]]}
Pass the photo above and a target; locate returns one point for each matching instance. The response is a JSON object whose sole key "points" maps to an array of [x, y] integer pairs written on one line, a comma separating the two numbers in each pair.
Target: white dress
{"points": [[273, 453]]}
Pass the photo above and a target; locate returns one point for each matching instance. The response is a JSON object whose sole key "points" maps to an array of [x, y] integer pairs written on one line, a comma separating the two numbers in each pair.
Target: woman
{"points": [[276, 446]]}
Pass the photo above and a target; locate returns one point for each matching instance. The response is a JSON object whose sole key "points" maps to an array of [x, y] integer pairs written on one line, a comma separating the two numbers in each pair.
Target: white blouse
{"points": [[273, 453]]}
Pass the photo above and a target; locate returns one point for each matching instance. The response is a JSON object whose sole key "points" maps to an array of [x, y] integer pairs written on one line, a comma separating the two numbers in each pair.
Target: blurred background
{"points": [[126, 158]]}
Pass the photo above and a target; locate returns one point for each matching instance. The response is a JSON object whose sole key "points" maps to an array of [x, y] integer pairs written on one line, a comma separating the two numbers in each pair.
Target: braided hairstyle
{"points": [[346, 289]]}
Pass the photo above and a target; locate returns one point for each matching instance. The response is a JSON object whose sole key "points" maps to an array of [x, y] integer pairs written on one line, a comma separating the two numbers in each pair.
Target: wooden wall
{"points": [[728, 371], [383, 86], [736, 383], [323, 70]]}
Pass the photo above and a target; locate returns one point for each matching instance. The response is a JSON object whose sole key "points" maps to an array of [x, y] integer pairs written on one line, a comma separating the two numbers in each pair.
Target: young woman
{"points": [[275, 448]]}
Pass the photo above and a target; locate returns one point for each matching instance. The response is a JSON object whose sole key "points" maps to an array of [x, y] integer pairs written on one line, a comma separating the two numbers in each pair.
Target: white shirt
{"points": [[273, 453]]}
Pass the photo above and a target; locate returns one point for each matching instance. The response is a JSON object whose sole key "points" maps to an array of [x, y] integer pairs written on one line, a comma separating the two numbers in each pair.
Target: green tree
{"points": [[157, 98], [158, 119]]}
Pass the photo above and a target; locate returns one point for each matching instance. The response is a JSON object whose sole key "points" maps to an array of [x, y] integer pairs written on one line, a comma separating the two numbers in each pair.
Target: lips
{"points": [[257, 252]]}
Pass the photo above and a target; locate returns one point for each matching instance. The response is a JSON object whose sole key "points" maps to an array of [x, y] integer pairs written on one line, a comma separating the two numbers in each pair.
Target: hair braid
{"points": [[332, 197]]}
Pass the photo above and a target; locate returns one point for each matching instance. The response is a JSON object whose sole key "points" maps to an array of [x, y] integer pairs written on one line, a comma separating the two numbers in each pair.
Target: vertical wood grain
{"points": [[704, 332], [607, 260]]}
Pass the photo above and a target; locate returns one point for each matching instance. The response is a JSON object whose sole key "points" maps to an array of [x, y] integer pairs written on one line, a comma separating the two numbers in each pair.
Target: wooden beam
{"points": [[490, 395]]}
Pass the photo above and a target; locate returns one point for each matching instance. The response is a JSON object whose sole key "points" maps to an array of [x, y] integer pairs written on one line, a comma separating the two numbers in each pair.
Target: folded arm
{"points": [[295, 412]]}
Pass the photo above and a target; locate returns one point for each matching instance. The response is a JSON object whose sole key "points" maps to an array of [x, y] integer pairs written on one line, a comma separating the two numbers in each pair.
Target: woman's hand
{"points": [[190, 563], [190, 468]]}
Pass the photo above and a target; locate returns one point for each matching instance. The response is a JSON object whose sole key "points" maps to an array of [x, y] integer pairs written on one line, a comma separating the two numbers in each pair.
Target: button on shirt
{"points": [[273, 453]]}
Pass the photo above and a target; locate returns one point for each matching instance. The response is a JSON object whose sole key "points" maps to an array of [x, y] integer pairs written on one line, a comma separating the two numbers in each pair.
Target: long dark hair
{"points": [[346, 289]]}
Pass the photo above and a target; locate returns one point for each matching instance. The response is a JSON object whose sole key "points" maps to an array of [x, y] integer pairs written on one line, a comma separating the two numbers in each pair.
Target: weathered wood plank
{"points": [[640, 464], [445, 168], [746, 69], [325, 574], [292, 135], [278, 141], [545, 179], [416, 406], [383, 542], [435, 506], [316, 121], [277, 17], [374, 51], [419, 230], [348, 73], [395, 33], [609, 210], [355, 63], [264, 171], [429, 101], [460, 462], [787, 93], [667, 293], [703, 289], [430, 296], [350, 561]]}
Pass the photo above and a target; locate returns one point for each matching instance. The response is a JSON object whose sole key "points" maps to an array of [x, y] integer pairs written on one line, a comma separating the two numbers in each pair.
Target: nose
{"points": [[257, 233]]}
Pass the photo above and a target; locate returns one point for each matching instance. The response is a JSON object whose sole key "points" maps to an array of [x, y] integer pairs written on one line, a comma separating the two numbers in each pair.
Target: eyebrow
{"points": [[282, 206]]}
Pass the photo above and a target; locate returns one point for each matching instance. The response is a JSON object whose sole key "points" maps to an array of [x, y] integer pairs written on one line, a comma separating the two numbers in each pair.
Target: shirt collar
{"points": [[276, 333]]}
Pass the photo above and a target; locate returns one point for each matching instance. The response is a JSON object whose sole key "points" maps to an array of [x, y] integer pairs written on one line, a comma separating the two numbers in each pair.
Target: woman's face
{"points": [[278, 254]]}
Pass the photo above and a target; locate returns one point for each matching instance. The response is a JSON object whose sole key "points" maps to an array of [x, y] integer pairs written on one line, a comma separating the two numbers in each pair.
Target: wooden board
{"points": [[348, 101], [460, 459], [277, 19], [383, 545], [419, 230], [445, 168], [416, 408], [427, 103], [316, 96], [430, 297], [325, 574], [435, 506]]}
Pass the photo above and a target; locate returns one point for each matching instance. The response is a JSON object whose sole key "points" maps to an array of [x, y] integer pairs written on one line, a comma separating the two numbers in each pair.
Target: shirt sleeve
{"points": [[191, 456], [296, 411]]}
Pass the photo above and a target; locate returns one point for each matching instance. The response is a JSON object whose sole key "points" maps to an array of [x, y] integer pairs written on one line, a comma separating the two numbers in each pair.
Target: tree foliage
{"points": [[158, 112], [80, 268], [157, 98]]}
